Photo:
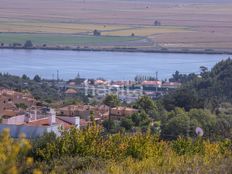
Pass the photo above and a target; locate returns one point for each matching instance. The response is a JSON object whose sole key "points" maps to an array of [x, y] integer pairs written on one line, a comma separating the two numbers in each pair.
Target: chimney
{"points": [[77, 122], [52, 117], [35, 114]]}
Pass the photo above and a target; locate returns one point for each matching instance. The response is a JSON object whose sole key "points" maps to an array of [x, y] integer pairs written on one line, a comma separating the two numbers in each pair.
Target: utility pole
{"points": [[57, 75], [156, 77]]}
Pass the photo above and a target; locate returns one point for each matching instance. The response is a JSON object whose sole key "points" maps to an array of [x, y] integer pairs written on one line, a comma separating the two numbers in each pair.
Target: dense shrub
{"points": [[89, 151]]}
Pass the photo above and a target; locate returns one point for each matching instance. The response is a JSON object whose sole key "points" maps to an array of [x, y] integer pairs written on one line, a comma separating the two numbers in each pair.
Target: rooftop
{"points": [[45, 122], [151, 82]]}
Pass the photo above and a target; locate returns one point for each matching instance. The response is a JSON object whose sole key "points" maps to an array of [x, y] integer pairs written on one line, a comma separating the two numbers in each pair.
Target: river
{"points": [[109, 65]]}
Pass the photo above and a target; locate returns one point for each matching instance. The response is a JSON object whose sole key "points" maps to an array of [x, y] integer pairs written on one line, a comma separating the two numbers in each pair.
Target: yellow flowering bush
{"points": [[12, 151], [93, 151]]}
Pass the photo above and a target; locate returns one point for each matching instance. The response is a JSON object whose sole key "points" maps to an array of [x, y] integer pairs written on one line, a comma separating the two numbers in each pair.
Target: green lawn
{"points": [[62, 39]]}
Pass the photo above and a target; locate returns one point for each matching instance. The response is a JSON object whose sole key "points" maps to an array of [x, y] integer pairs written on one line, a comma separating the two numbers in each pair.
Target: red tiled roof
{"points": [[83, 123], [72, 83], [45, 122], [171, 84], [151, 83], [71, 91]]}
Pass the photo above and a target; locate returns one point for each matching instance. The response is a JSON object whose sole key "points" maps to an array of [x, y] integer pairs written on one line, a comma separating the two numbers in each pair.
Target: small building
{"points": [[84, 111], [153, 83], [9, 100], [101, 82], [120, 83], [72, 83], [120, 112], [35, 124], [171, 85]]}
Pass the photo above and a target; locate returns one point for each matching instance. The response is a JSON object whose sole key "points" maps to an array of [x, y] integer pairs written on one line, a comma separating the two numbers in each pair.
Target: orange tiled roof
{"points": [[83, 123], [151, 83], [171, 84], [45, 122], [70, 91]]}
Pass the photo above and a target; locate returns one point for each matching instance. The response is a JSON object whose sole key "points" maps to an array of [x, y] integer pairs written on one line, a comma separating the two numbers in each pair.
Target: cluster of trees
{"points": [[27, 44], [45, 91], [39, 88], [206, 96], [207, 90], [171, 124]]}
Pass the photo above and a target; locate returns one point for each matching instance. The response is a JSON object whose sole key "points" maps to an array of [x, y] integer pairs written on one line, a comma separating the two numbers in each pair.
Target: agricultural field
{"points": [[64, 39], [194, 24]]}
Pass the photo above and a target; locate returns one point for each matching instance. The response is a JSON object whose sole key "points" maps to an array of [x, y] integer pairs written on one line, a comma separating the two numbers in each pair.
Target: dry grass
{"points": [[147, 31], [43, 27], [208, 23]]}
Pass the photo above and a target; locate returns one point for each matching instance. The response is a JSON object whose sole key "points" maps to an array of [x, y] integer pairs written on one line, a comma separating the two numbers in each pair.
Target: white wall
{"points": [[30, 132], [19, 119], [73, 120]]}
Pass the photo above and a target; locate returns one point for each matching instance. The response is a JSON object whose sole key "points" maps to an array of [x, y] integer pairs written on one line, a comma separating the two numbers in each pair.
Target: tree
{"points": [[209, 91], [111, 101], [126, 123], [109, 125], [140, 119], [205, 119], [92, 119], [28, 44], [37, 78], [96, 33], [25, 77], [147, 104], [182, 123], [157, 23], [178, 124], [204, 71]]}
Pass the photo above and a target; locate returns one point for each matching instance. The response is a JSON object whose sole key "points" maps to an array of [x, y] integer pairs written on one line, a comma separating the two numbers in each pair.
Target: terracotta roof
{"points": [[70, 91], [120, 83], [45, 122], [171, 84], [72, 83], [83, 123], [151, 83], [124, 108], [99, 82]]}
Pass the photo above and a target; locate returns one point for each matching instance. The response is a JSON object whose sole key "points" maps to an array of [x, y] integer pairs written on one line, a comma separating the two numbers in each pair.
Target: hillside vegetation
{"points": [[88, 151]]}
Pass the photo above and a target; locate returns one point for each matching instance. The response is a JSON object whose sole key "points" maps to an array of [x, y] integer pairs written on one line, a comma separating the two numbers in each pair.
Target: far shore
{"points": [[126, 49]]}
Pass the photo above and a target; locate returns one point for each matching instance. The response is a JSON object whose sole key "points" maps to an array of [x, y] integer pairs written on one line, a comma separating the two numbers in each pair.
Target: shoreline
{"points": [[129, 50]]}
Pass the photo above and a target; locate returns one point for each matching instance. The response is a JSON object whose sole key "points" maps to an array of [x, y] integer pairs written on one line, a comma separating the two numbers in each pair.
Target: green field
{"points": [[63, 39]]}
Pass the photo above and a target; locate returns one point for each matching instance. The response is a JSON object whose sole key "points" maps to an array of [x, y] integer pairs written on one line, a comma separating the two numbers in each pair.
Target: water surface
{"points": [[109, 65]]}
